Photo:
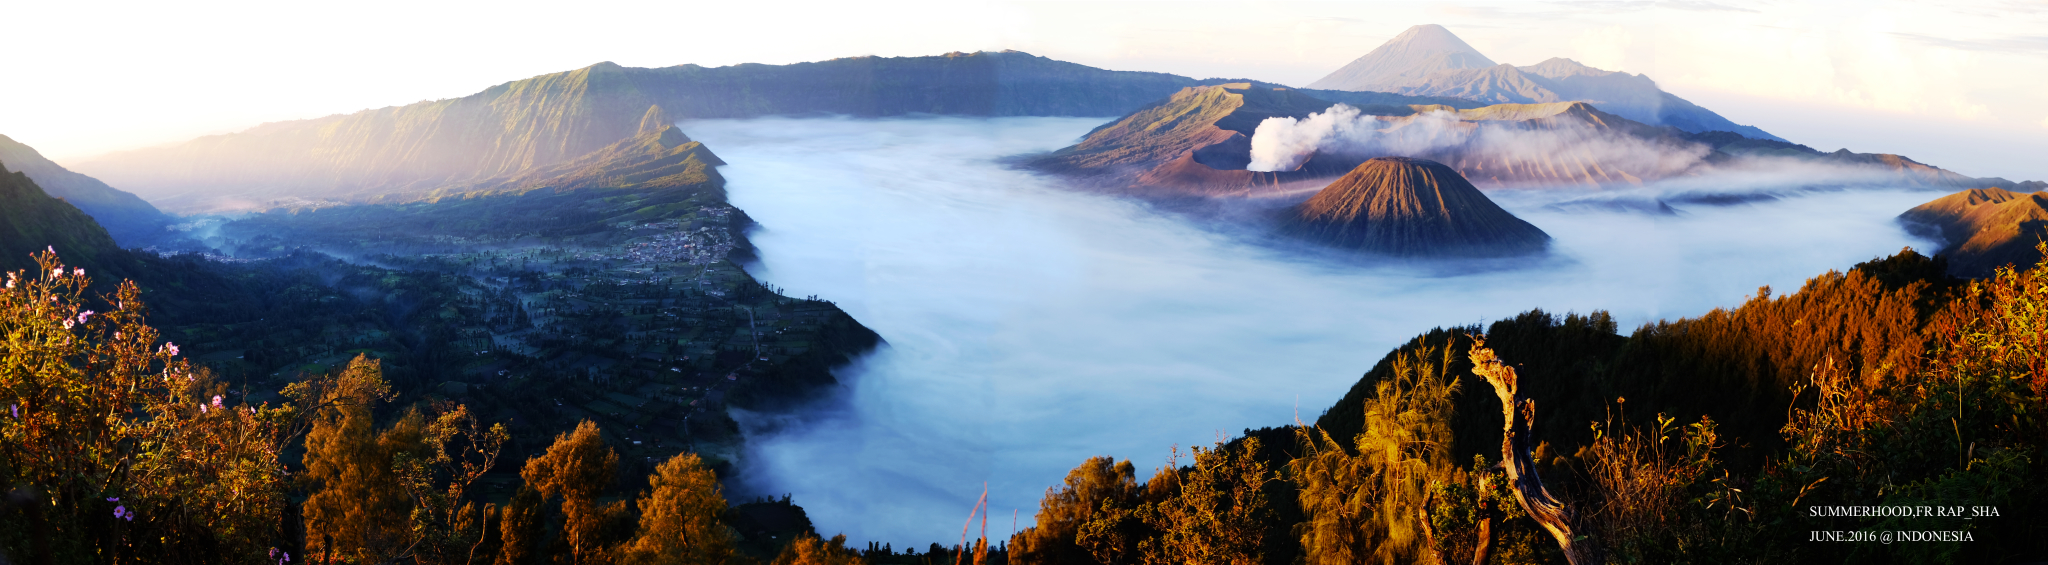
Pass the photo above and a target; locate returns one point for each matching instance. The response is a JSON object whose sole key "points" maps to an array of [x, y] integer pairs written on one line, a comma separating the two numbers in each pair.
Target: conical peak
{"points": [[1392, 187], [1412, 207], [1429, 37], [1406, 60]]}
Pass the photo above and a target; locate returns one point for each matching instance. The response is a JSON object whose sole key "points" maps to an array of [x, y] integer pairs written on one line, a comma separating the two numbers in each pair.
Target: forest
{"points": [[1742, 435]]}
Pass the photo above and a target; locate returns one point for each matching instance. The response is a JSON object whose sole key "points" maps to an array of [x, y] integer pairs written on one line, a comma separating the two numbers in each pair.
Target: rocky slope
{"points": [[1412, 208], [1215, 122], [126, 217], [1428, 60], [546, 120], [1983, 228]]}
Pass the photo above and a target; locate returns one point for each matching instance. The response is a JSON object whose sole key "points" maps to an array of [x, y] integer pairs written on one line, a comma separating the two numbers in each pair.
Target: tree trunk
{"points": [[1484, 549], [1519, 413]]}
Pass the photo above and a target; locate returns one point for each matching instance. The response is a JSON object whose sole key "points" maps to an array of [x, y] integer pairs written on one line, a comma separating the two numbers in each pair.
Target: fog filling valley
{"points": [[1030, 326]]}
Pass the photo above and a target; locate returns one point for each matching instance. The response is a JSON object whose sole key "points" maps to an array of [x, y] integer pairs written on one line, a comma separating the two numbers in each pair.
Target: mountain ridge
{"points": [[32, 221], [125, 216], [548, 119], [1414, 63]]}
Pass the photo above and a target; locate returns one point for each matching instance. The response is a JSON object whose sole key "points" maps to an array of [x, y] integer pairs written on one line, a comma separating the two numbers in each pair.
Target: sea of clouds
{"points": [[1031, 325]]}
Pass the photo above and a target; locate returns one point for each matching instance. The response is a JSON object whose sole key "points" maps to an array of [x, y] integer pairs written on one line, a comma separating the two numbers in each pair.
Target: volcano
{"points": [[1412, 208]]}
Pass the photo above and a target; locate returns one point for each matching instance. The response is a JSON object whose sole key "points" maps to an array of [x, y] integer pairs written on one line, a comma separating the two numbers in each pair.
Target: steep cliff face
{"points": [[1984, 228], [126, 217], [546, 120], [1412, 208]]}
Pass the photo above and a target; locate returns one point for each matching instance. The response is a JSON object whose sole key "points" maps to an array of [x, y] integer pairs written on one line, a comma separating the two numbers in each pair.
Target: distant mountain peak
{"points": [[1429, 37], [1560, 67], [1428, 60], [1406, 59]]}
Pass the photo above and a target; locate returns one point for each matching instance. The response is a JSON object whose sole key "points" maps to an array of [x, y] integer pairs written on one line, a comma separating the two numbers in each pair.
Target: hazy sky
{"points": [[1956, 84]]}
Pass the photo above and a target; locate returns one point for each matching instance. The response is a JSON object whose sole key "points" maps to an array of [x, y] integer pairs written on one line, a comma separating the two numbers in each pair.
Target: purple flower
{"points": [[169, 347], [83, 315], [14, 411], [78, 272], [216, 401], [122, 512], [202, 409], [113, 499]]}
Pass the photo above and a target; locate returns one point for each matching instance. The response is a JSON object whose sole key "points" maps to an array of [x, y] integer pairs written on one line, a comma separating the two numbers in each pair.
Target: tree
{"points": [[575, 470], [114, 447], [1214, 511], [357, 509], [810, 550], [1371, 502], [453, 451], [679, 519], [1556, 517], [1063, 513]]}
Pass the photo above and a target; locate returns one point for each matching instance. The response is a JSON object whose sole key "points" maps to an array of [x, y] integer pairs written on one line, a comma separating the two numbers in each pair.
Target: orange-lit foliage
{"points": [[114, 448]]}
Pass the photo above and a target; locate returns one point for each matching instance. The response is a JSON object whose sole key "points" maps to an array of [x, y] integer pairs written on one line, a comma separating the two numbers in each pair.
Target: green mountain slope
{"points": [[31, 221], [545, 120], [127, 217]]}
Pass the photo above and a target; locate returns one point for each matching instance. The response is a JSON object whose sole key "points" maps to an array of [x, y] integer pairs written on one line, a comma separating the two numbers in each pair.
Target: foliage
{"points": [[1660, 496], [113, 448], [810, 550], [399, 495], [356, 511], [1098, 483], [1214, 511], [1964, 428], [679, 521], [1372, 502], [575, 470]]}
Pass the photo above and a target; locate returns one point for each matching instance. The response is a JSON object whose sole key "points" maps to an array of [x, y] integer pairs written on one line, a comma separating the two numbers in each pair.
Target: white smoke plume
{"points": [[1511, 151]]}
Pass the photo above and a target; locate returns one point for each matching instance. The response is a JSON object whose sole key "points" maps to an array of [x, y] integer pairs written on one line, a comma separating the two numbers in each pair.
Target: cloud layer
{"points": [[1031, 326]]}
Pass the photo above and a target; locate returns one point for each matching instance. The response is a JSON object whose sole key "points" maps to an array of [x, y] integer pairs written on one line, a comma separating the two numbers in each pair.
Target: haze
{"points": [[1031, 326], [1955, 84]]}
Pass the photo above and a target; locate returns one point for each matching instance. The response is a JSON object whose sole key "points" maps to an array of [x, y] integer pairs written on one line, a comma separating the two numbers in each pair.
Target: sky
{"points": [[1955, 84]]}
